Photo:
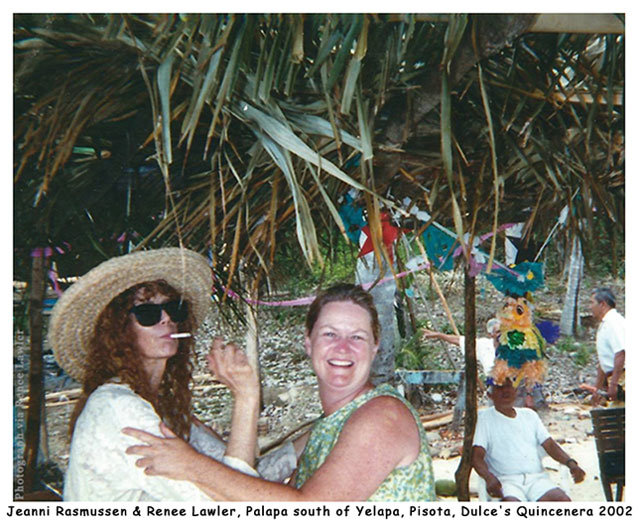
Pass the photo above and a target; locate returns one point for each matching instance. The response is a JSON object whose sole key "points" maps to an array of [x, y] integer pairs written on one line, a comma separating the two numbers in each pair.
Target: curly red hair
{"points": [[112, 354]]}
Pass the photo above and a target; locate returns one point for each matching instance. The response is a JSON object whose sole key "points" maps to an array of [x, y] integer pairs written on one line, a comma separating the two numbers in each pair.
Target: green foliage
{"points": [[607, 250], [603, 249], [285, 317], [414, 353], [581, 352], [338, 264], [583, 355], [565, 344], [260, 122]]}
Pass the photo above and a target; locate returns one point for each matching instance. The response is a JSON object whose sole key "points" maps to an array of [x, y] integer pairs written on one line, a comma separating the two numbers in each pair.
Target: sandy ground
{"points": [[570, 426]]}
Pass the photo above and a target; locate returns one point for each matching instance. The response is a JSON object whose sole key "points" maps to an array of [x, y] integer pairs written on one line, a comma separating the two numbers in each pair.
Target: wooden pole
{"points": [[251, 339], [406, 299], [445, 304], [36, 385], [471, 377], [252, 343]]}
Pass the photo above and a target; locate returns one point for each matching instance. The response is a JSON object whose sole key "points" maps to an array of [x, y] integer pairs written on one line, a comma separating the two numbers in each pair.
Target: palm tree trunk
{"points": [[471, 378], [405, 308], [570, 318], [252, 342], [251, 337], [36, 386], [384, 294]]}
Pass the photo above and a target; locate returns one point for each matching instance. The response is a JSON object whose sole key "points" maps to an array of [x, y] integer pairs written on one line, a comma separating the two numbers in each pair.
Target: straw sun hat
{"points": [[74, 316]]}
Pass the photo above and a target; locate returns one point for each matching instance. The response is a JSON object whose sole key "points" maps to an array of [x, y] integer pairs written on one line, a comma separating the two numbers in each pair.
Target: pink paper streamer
{"points": [[305, 301], [52, 274]]}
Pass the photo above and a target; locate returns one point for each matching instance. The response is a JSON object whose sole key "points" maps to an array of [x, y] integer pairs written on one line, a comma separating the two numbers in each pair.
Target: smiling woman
{"points": [[342, 348], [369, 445], [113, 331]]}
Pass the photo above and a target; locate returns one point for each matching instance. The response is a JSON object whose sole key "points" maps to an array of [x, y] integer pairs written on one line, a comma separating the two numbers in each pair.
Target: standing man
{"points": [[610, 344]]}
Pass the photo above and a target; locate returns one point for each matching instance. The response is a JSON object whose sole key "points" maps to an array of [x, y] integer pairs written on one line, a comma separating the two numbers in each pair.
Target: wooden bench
{"points": [[609, 432]]}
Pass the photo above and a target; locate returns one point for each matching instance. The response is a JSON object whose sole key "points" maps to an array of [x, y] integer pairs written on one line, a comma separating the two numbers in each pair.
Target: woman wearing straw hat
{"points": [[369, 445], [122, 330]]}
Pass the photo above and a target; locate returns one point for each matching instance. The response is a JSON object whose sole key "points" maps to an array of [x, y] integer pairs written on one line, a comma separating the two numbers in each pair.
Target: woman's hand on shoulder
{"points": [[168, 455]]}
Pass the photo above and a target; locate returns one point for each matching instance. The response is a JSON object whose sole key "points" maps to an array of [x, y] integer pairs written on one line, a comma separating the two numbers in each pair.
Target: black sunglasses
{"points": [[150, 314]]}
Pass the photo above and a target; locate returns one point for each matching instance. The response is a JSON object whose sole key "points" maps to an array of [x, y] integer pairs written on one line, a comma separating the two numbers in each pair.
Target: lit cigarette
{"points": [[180, 335]]}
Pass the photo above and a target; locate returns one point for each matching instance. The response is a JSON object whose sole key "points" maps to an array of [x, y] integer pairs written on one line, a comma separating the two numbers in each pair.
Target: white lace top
{"points": [[100, 470]]}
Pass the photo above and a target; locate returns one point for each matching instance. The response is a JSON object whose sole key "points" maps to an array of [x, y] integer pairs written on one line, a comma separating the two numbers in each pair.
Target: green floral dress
{"points": [[413, 482]]}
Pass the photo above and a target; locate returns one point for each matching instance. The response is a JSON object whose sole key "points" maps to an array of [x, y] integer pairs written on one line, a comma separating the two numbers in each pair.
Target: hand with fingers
{"points": [[494, 487], [612, 390], [577, 473], [597, 399], [231, 366], [169, 455], [427, 333]]}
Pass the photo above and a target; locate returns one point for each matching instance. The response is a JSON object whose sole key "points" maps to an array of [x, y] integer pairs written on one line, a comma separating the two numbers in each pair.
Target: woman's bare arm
{"points": [[379, 436], [230, 366]]}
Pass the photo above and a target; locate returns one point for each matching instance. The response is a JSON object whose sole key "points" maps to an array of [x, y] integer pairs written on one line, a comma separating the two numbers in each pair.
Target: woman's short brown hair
{"points": [[344, 293]]}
